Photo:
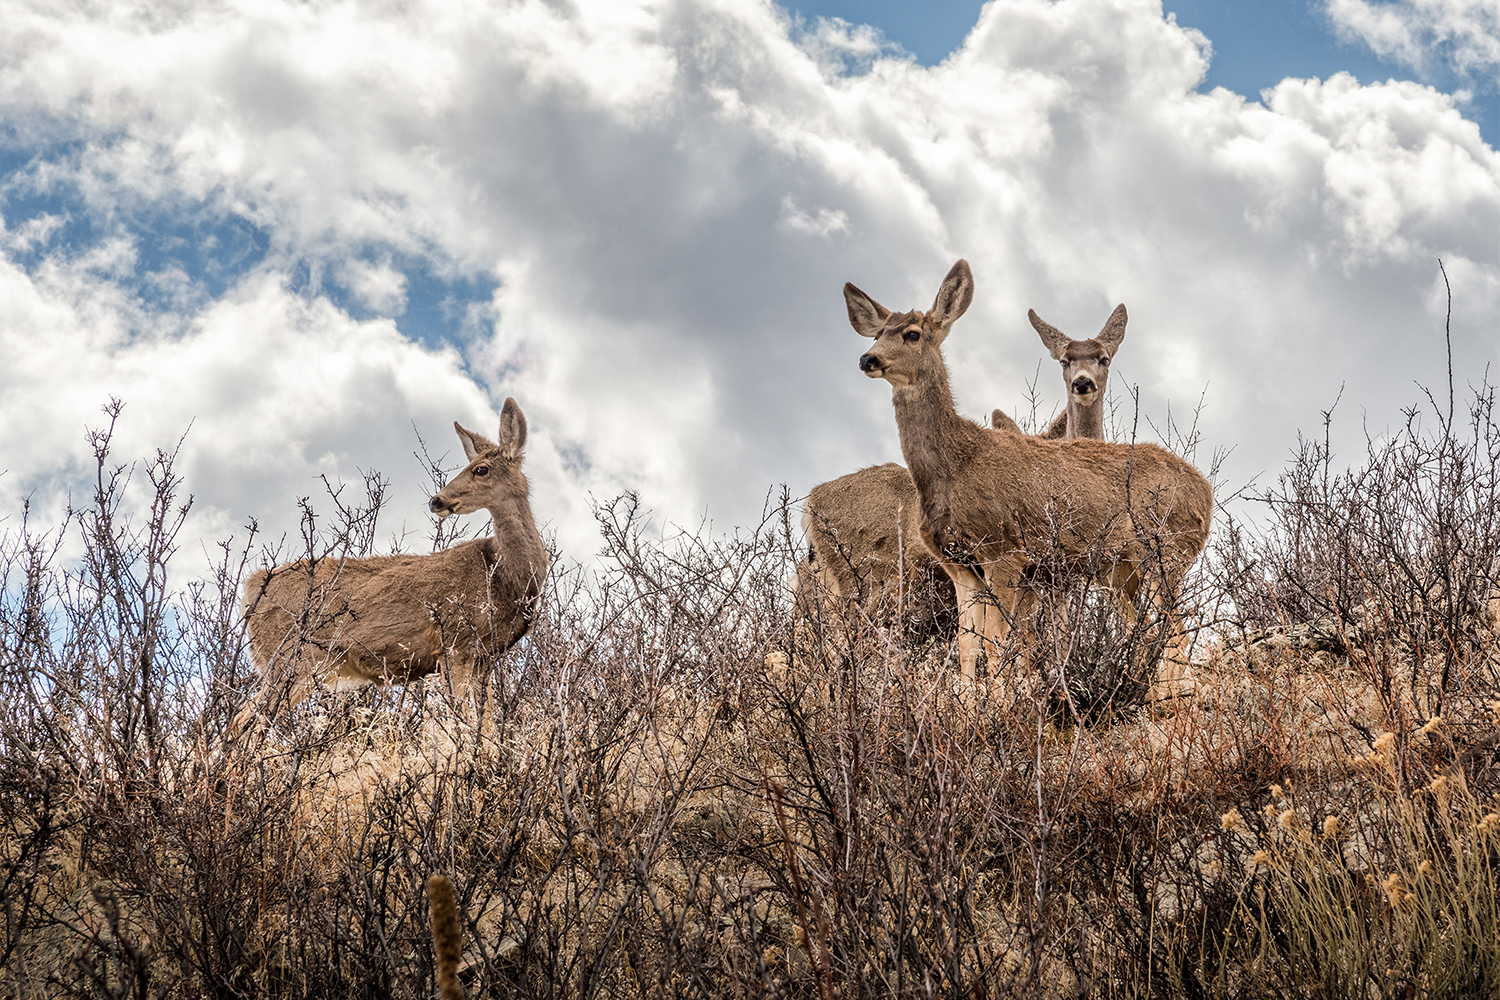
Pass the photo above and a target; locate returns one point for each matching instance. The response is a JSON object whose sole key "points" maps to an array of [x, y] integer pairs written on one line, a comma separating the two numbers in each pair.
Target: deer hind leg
{"points": [[1174, 673], [1175, 678], [275, 695]]}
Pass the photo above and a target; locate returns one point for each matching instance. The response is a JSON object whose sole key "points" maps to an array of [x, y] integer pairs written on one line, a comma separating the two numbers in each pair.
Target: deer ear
{"points": [[1054, 339], [1114, 330], [999, 421], [473, 443], [953, 297], [512, 429], [865, 314]]}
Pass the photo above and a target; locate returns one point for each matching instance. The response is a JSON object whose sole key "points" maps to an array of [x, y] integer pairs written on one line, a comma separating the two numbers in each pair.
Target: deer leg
{"points": [[1002, 598], [1174, 675], [273, 697], [970, 625], [968, 588]]}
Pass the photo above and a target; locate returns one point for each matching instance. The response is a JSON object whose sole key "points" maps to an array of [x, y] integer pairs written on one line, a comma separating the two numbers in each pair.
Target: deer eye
{"points": [[481, 470], [1104, 362], [912, 336]]}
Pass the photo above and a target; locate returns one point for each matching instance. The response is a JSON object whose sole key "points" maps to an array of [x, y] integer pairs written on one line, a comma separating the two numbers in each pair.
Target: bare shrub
{"points": [[680, 788], [1392, 563]]}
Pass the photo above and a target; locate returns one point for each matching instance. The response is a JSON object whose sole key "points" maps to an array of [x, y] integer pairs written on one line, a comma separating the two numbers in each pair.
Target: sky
{"points": [[301, 238]]}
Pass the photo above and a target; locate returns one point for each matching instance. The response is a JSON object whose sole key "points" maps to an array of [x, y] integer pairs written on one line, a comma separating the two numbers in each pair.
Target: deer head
{"points": [[493, 474], [905, 342], [1085, 363]]}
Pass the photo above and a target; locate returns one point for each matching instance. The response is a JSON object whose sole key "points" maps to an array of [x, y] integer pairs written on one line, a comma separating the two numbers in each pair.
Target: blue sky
{"points": [[1257, 43], [304, 232]]}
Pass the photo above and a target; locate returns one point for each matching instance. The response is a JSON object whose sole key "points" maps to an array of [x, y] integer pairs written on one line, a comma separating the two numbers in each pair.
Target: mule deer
{"points": [[1085, 366], [864, 533], [398, 618], [864, 543], [995, 506]]}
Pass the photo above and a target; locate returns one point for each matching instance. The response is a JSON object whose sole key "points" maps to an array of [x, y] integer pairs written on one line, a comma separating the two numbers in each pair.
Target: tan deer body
{"points": [[864, 529], [995, 506], [864, 534], [352, 622]]}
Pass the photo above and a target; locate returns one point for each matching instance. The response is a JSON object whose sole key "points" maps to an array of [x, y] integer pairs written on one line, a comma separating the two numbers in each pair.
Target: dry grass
{"points": [[684, 785]]}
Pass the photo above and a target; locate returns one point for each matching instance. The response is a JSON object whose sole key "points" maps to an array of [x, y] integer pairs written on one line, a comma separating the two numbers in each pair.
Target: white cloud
{"points": [[1466, 33], [670, 195], [823, 222]]}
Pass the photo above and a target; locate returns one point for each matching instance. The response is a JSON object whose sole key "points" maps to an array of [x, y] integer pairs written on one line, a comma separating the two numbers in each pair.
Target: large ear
{"points": [[865, 314], [1055, 340], [999, 421], [953, 297], [473, 443], [512, 429], [1114, 330]]}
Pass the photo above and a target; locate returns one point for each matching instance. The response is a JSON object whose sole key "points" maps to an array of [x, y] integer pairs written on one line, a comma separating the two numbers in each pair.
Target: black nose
{"points": [[1083, 385], [436, 505], [868, 362]]}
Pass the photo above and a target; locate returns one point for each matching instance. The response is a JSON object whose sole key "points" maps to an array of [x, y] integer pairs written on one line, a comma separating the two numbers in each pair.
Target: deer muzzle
{"points": [[441, 507], [1083, 385], [870, 364]]}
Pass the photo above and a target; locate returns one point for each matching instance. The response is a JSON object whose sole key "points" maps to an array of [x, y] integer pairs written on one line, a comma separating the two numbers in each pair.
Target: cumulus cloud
{"points": [[653, 206], [1465, 33]]}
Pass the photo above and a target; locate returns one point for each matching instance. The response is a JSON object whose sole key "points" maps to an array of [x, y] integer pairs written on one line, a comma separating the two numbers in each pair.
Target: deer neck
{"points": [[933, 435], [1085, 421], [522, 557]]}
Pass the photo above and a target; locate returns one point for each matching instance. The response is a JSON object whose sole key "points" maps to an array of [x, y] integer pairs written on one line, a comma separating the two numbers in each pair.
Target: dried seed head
{"points": [[1333, 829], [1260, 858], [1384, 742], [1433, 725], [1232, 821], [1287, 820]]}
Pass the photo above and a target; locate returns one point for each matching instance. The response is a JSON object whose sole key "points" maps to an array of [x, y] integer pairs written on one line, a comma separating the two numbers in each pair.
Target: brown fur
{"points": [[862, 526], [399, 618], [864, 535], [997, 506], [1085, 367]]}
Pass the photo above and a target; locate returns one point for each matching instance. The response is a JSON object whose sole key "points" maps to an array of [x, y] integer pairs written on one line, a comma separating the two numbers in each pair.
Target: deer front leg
{"points": [[971, 621], [1001, 598]]}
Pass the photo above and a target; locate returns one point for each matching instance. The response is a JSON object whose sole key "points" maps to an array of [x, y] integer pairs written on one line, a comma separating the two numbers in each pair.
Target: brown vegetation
{"points": [[676, 793]]}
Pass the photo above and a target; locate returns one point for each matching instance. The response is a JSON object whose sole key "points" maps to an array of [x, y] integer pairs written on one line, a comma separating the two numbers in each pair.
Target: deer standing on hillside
{"points": [[864, 528], [398, 618], [865, 544], [994, 505]]}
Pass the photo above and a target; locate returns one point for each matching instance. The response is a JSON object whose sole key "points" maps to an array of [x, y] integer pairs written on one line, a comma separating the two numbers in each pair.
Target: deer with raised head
{"points": [[995, 505], [864, 538], [1085, 368], [354, 622]]}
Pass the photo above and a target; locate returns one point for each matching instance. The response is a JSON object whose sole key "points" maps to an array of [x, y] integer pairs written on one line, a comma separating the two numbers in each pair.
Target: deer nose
{"points": [[869, 363], [1083, 385], [437, 505]]}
